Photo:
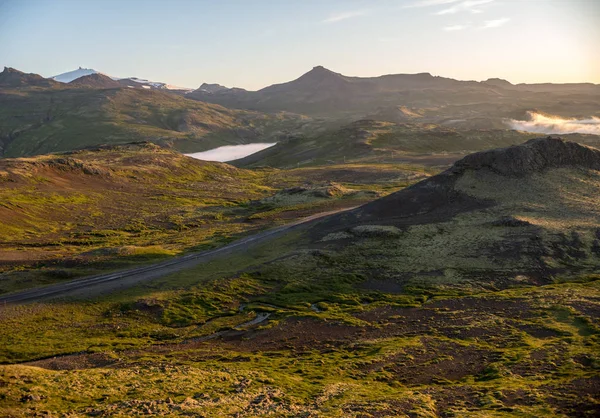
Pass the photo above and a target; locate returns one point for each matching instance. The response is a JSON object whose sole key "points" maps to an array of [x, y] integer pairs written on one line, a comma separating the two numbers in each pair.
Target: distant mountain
{"points": [[324, 93], [39, 116], [15, 78], [96, 80], [128, 81], [212, 88], [73, 75]]}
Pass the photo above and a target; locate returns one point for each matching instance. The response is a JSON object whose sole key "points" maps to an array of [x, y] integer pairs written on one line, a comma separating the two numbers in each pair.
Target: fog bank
{"points": [[230, 152], [548, 124]]}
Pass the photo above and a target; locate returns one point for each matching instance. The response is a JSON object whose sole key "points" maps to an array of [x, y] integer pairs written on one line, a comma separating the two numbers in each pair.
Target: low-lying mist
{"points": [[230, 152], [548, 124]]}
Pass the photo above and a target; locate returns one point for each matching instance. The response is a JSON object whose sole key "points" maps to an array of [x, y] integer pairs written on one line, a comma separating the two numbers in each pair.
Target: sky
{"points": [[255, 43]]}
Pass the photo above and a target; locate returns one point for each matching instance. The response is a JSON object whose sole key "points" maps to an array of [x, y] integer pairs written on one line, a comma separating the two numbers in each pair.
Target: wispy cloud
{"points": [[465, 6], [338, 17], [455, 27], [496, 23], [427, 3]]}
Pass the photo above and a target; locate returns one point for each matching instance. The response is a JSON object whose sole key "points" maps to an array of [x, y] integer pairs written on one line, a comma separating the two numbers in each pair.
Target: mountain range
{"points": [[324, 93], [321, 107], [39, 115], [70, 76], [405, 249]]}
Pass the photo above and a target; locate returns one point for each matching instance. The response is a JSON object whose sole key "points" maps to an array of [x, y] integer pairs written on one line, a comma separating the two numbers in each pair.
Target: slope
{"points": [[372, 141], [11, 77], [64, 117], [468, 294], [96, 80]]}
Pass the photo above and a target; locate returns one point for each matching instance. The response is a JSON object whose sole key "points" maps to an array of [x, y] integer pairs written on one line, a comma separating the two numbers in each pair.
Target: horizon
{"points": [[304, 73], [254, 45]]}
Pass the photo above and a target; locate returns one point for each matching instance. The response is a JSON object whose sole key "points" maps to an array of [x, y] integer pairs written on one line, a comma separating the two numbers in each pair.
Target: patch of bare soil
{"points": [[379, 410], [577, 398], [436, 361], [75, 362], [297, 334]]}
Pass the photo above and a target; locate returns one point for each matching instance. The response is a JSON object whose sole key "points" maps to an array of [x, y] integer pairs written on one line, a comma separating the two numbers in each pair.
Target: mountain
{"points": [[324, 93], [96, 80], [155, 84], [67, 116], [212, 88], [73, 75], [70, 76], [15, 78]]}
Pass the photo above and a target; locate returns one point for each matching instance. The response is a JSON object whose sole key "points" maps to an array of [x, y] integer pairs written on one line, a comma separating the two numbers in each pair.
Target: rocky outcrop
{"points": [[535, 155], [436, 199]]}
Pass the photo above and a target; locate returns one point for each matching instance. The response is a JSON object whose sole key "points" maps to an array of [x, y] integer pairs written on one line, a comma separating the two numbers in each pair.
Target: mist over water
{"points": [[230, 152], [548, 124]]}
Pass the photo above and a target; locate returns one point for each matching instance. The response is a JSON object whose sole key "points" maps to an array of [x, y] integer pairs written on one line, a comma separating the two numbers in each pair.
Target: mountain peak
{"points": [[319, 69], [498, 82], [12, 70], [12, 77], [212, 88], [96, 80], [320, 74], [73, 75]]}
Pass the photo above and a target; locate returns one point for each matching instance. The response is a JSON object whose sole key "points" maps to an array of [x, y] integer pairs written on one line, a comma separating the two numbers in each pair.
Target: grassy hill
{"points": [[49, 117], [82, 212], [379, 141], [472, 293]]}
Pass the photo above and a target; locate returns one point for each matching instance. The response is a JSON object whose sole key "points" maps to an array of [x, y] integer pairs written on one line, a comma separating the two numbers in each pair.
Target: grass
{"points": [[335, 375], [380, 142], [437, 318], [69, 215], [38, 121]]}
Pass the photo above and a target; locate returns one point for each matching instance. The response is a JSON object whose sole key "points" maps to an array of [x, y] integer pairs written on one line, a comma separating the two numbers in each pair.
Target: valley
{"points": [[392, 247]]}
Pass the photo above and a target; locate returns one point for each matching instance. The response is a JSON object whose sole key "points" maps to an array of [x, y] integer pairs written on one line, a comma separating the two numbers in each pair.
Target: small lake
{"points": [[230, 152]]}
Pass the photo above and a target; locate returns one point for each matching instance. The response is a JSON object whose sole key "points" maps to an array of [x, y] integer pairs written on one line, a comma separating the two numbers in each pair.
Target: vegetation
{"points": [[35, 120], [474, 293], [425, 317], [373, 141], [82, 213]]}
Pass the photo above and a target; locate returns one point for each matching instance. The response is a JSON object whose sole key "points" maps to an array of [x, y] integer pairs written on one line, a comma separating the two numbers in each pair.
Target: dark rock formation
{"points": [[533, 156]]}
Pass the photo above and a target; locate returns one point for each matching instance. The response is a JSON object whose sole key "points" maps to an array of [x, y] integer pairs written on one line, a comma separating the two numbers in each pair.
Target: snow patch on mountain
{"points": [[74, 75], [81, 72]]}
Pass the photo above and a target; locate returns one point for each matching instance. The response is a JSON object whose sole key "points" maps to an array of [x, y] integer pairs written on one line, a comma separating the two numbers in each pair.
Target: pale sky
{"points": [[255, 43]]}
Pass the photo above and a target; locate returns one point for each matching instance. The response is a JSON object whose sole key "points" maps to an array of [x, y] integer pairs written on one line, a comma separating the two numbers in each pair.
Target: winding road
{"points": [[111, 282]]}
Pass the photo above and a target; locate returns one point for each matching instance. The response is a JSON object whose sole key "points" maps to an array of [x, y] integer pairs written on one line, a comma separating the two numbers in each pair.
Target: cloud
{"points": [[455, 27], [489, 24], [427, 3], [338, 17], [465, 6], [548, 124]]}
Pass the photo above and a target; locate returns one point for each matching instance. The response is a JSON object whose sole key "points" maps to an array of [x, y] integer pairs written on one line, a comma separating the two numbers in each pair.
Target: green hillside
{"points": [[376, 142], [472, 293], [62, 117]]}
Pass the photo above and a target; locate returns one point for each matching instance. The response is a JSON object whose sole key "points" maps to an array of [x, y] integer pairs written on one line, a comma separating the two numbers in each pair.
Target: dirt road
{"points": [[111, 282]]}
